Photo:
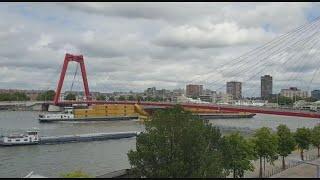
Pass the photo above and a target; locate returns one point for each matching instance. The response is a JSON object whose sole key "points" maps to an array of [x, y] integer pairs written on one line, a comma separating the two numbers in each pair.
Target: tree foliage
{"points": [[111, 98], [76, 174], [177, 144], [315, 137], [17, 96], [101, 97], [286, 142], [237, 154], [46, 96], [122, 98], [303, 139], [70, 96], [265, 145], [131, 98]]}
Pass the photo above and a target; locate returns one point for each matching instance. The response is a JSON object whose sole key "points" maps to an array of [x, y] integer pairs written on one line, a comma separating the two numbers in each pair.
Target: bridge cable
{"points": [[275, 40]]}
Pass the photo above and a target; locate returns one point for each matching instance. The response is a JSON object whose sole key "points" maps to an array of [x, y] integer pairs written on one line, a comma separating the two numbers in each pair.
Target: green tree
{"points": [[76, 174], [310, 99], [315, 137], [303, 139], [46, 96], [131, 98], [70, 96], [265, 146], [237, 154], [111, 98], [177, 144], [101, 97], [17, 96], [286, 142], [149, 98], [122, 98], [139, 98]]}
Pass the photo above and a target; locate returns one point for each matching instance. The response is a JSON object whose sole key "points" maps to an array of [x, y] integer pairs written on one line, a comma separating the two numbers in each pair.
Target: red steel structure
{"points": [[79, 59]]}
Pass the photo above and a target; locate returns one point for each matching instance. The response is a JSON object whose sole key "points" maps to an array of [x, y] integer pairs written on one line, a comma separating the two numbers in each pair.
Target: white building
{"points": [[222, 98], [293, 92]]}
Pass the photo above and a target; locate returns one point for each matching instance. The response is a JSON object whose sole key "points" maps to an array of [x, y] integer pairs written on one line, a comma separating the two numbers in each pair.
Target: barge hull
{"points": [[79, 138], [86, 137], [225, 116], [111, 118]]}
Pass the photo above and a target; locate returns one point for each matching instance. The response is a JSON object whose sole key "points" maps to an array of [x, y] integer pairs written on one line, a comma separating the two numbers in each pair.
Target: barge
{"points": [[67, 138], [95, 113], [225, 115]]}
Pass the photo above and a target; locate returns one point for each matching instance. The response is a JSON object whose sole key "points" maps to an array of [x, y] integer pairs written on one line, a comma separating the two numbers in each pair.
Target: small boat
{"points": [[68, 114], [30, 137]]}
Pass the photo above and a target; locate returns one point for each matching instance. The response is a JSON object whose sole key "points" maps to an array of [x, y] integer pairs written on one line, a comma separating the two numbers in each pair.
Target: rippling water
{"points": [[98, 157]]}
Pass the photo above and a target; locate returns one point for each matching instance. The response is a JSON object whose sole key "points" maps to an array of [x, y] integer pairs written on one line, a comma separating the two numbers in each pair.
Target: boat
{"points": [[30, 137], [68, 114], [96, 113]]}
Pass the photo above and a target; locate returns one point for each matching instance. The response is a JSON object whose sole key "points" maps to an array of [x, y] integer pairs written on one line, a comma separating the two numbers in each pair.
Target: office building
{"points": [[234, 88], [266, 86], [315, 94], [193, 90]]}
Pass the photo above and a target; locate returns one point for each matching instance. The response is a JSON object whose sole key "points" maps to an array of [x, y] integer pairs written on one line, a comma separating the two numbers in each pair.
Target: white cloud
{"points": [[213, 35], [136, 45]]}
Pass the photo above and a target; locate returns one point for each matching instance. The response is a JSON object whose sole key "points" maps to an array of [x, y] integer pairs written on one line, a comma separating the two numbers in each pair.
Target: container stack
{"points": [[106, 110]]}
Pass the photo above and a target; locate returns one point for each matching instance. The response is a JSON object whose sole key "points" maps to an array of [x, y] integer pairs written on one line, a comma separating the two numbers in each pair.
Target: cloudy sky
{"points": [[133, 46]]}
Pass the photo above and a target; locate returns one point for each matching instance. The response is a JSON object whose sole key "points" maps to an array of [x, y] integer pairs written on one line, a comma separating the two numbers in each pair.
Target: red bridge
{"points": [[262, 110]]}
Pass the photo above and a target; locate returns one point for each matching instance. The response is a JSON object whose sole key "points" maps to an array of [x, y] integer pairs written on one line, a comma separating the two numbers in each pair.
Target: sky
{"points": [[133, 46]]}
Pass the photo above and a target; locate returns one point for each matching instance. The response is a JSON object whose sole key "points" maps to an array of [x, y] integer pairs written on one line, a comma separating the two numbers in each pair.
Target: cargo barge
{"points": [[67, 138], [95, 113], [225, 115]]}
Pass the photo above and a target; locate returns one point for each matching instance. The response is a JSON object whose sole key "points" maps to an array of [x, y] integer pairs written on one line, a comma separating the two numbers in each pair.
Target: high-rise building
{"points": [[234, 88], [193, 90], [315, 94], [266, 86]]}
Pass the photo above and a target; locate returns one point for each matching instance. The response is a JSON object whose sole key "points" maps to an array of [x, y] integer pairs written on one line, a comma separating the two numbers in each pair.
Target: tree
{"points": [[76, 174], [315, 137], [237, 154], [122, 98], [111, 98], [310, 99], [177, 144], [139, 98], [149, 98], [17, 96], [265, 145], [101, 97], [46, 96], [303, 139], [131, 98], [70, 96], [286, 142]]}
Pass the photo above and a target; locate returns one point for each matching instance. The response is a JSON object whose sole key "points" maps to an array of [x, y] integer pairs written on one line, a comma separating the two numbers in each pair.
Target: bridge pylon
{"points": [[79, 59]]}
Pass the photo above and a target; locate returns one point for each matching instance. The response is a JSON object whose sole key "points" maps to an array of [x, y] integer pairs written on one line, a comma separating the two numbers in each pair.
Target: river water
{"points": [[97, 157]]}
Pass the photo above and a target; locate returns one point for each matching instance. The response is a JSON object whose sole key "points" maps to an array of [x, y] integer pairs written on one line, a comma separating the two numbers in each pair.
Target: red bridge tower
{"points": [[79, 59]]}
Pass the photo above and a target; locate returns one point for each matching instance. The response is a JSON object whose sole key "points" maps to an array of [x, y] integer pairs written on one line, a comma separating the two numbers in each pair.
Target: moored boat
{"points": [[30, 137]]}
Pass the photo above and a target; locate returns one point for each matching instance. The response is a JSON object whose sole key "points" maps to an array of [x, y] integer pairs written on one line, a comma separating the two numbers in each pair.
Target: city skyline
{"points": [[172, 51]]}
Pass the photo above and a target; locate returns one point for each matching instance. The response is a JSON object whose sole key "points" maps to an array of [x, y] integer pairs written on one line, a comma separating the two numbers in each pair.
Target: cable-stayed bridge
{"points": [[292, 59]]}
